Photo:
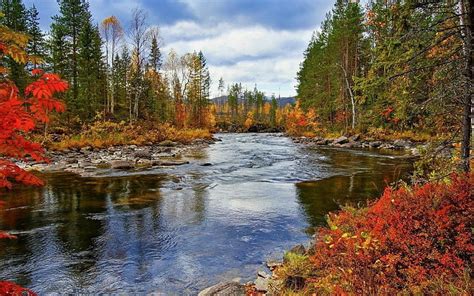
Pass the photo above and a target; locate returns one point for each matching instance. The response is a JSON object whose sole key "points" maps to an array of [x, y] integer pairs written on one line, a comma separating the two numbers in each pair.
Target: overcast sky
{"points": [[248, 41]]}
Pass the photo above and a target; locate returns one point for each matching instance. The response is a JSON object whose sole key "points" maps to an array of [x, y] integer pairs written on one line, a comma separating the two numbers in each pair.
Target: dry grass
{"points": [[104, 134]]}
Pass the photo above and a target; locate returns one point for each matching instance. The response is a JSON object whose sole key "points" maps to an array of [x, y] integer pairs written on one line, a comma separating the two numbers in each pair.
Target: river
{"points": [[239, 202]]}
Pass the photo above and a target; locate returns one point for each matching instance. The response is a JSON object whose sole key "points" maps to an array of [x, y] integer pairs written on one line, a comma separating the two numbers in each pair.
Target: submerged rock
{"points": [[224, 289]]}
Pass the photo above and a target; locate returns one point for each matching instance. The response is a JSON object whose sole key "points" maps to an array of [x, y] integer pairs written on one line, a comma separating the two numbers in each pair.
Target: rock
{"points": [[86, 148], [402, 144], [224, 289], [261, 284], [386, 146], [322, 142], [121, 164], [71, 160], [103, 165], [170, 162], [262, 281], [142, 154], [144, 163], [351, 144], [298, 249], [272, 265], [206, 164], [341, 140], [168, 143], [354, 138], [375, 144]]}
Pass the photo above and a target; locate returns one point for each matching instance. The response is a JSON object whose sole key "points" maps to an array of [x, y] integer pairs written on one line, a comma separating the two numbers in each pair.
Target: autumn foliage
{"points": [[412, 240], [21, 113]]}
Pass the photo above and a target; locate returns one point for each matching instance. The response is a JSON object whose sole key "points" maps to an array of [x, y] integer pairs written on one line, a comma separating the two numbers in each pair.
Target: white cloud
{"points": [[253, 54]]}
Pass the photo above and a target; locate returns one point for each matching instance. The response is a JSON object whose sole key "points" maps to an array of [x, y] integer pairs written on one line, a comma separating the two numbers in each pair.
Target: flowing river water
{"points": [[238, 203]]}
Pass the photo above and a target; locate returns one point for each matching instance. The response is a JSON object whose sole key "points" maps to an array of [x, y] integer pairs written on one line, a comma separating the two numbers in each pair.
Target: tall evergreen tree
{"points": [[155, 59], [37, 44], [65, 32]]}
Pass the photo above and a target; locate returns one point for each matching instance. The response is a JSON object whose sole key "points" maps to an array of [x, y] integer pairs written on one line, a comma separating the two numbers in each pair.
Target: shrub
{"points": [[410, 240], [415, 240]]}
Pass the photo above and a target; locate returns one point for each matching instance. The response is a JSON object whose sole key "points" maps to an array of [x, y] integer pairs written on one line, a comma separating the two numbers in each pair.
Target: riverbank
{"points": [[357, 141], [90, 161]]}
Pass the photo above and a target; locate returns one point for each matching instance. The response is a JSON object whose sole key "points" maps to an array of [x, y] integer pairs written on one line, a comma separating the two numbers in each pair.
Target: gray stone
{"points": [[341, 140], [402, 143], [272, 265], [354, 138], [121, 164], [375, 144], [206, 164], [322, 142], [224, 289], [298, 249], [261, 284], [170, 162], [142, 154]]}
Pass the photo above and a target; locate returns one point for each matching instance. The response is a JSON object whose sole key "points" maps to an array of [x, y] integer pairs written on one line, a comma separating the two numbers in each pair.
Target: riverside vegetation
{"points": [[395, 74]]}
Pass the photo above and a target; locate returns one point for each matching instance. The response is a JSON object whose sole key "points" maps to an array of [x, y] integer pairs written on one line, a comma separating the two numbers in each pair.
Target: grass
{"points": [[103, 134]]}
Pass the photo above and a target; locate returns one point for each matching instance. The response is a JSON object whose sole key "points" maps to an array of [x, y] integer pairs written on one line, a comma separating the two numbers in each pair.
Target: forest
{"points": [[387, 85]]}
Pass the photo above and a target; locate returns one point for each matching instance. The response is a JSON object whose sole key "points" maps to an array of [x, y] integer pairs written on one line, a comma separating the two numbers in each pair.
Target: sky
{"points": [[249, 41]]}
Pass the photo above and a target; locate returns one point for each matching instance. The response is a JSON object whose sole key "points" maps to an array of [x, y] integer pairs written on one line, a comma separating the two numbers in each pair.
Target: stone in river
{"points": [[121, 164], [144, 153], [341, 140], [224, 289], [170, 163]]}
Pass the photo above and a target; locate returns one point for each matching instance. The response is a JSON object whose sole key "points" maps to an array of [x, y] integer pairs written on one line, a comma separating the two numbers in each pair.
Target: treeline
{"points": [[245, 108], [114, 71], [396, 65]]}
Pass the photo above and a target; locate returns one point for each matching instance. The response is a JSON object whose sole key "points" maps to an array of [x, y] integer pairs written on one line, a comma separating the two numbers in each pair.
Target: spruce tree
{"points": [[66, 30], [37, 44], [155, 59]]}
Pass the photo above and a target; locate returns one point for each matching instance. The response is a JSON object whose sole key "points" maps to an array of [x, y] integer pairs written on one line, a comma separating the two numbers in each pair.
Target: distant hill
{"points": [[282, 102]]}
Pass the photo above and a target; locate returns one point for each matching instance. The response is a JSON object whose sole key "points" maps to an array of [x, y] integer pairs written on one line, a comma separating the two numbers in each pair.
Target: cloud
{"points": [[244, 41], [251, 55], [278, 14]]}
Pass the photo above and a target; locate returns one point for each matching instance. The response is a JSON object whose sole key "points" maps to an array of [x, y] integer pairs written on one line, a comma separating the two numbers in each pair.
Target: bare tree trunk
{"points": [[351, 94]]}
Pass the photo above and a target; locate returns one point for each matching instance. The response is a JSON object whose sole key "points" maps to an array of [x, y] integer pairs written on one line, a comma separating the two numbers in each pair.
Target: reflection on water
{"points": [[177, 230]]}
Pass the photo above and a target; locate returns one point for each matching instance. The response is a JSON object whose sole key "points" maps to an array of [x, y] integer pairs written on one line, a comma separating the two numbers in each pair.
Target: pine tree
{"points": [[37, 44], [155, 59], [91, 70], [66, 29]]}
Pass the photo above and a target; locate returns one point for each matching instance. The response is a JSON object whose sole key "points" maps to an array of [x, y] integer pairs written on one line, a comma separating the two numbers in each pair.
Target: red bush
{"points": [[7, 289], [413, 240]]}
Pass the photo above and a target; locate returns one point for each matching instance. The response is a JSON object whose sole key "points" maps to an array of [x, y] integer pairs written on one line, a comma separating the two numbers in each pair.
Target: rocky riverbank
{"points": [[267, 282], [356, 141], [88, 161]]}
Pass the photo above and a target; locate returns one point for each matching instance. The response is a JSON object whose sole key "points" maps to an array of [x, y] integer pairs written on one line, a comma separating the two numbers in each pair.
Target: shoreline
{"points": [[89, 162]]}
